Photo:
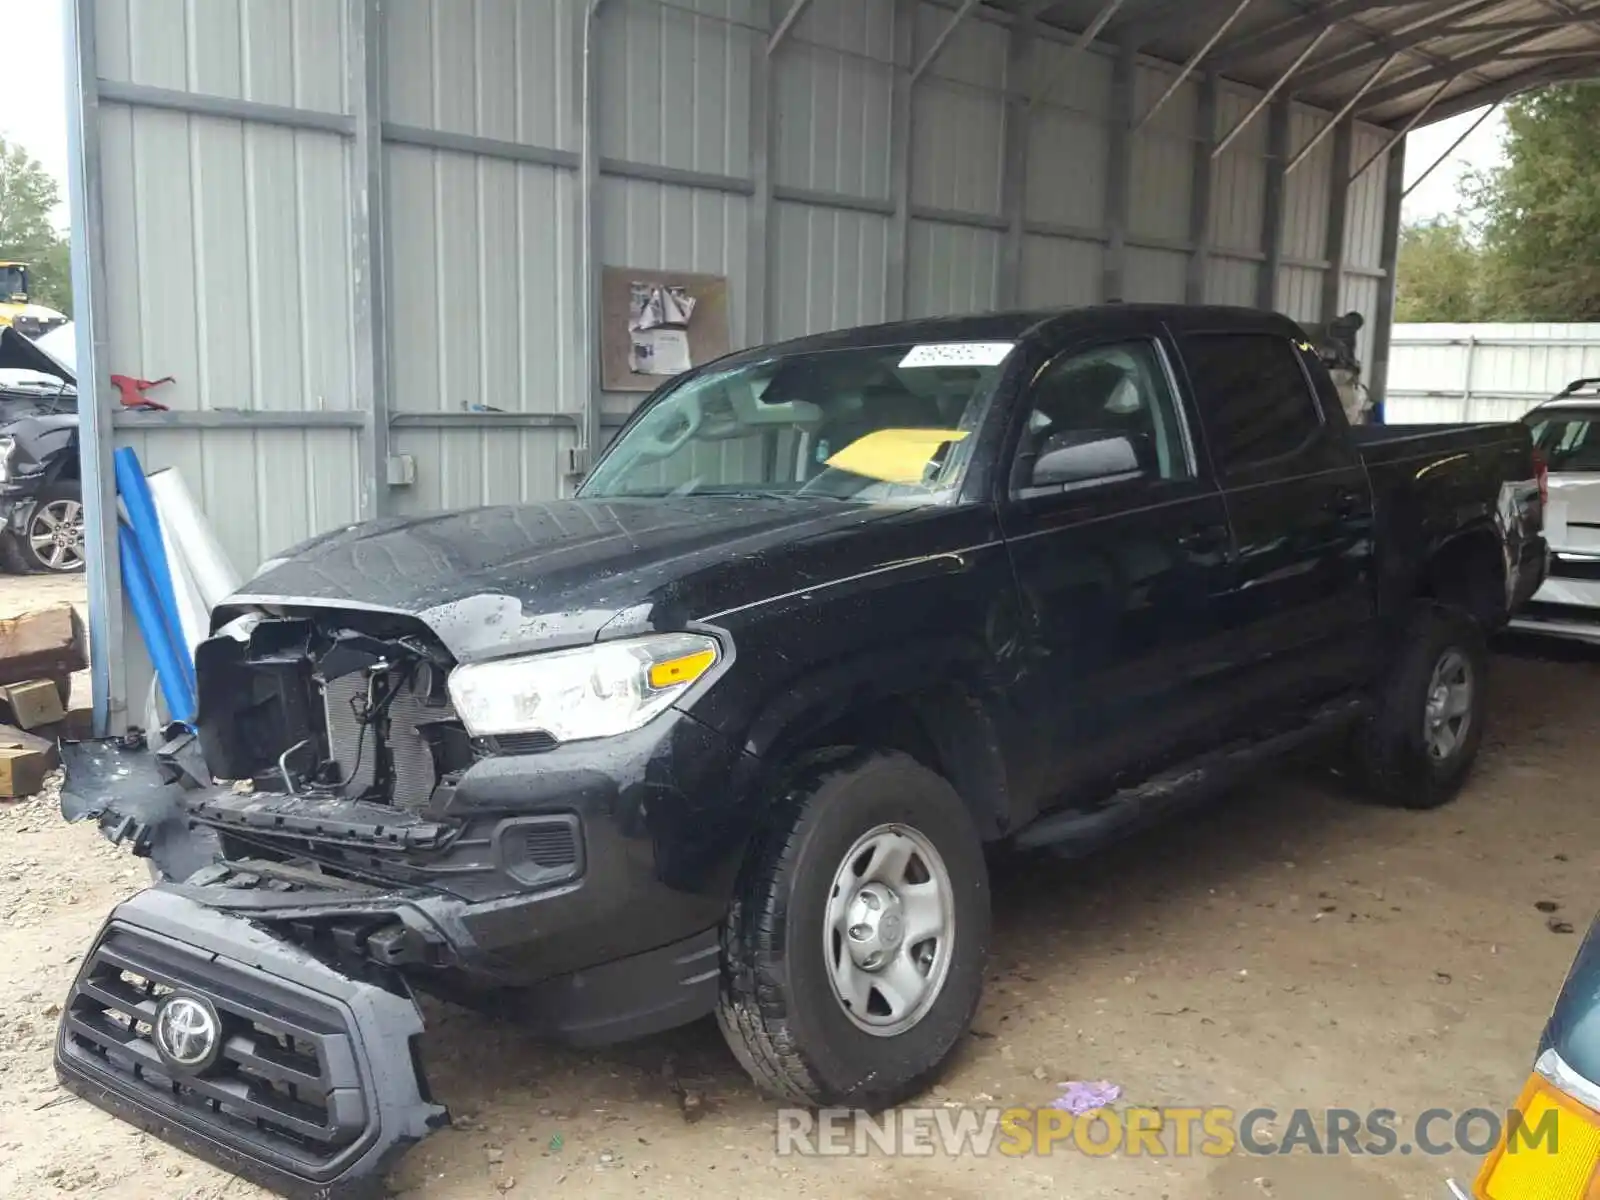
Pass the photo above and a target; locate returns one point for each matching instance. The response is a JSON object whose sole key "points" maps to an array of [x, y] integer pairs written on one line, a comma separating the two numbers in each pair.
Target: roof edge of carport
{"points": [[1425, 103]]}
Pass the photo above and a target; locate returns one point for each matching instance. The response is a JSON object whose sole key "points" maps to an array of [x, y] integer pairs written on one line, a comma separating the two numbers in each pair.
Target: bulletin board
{"points": [[707, 329]]}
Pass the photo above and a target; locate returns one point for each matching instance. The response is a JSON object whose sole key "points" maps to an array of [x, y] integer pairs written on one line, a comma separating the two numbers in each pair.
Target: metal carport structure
{"points": [[349, 226]]}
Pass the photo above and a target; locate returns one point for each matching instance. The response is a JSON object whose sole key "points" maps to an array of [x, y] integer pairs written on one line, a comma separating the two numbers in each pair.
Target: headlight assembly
{"points": [[591, 692], [8, 447]]}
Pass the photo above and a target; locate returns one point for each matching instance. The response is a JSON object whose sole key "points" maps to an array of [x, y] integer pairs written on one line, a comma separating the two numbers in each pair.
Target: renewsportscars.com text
{"points": [[1156, 1132]]}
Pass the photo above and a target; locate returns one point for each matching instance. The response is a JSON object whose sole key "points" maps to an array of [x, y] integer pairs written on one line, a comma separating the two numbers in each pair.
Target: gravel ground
{"points": [[1286, 948]]}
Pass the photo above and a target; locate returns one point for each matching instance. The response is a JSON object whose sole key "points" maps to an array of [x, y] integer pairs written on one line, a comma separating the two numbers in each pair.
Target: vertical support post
{"points": [[901, 111], [591, 432], [1119, 171], [1394, 191], [369, 249], [95, 403], [1466, 383], [758, 261], [1205, 174], [1272, 207], [1014, 181], [1338, 215]]}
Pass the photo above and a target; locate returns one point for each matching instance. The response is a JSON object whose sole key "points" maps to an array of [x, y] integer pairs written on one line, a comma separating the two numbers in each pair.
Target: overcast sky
{"points": [[34, 112]]}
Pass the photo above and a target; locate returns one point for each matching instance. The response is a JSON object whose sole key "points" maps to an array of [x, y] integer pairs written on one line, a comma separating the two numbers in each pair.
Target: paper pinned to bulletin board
{"points": [[657, 324]]}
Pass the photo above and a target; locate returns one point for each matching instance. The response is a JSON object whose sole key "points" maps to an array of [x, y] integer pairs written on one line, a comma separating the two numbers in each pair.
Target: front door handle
{"points": [[1203, 538]]}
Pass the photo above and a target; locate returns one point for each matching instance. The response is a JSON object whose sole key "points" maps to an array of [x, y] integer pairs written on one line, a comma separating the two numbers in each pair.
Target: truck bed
{"points": [[1382, 444]]}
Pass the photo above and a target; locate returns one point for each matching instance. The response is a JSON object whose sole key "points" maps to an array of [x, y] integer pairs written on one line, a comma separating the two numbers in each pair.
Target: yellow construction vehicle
{"points": [[26, 318]]}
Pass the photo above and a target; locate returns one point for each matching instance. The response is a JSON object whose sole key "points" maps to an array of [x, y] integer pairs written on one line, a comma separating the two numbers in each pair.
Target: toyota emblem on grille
{"points": [[188, 1032]]}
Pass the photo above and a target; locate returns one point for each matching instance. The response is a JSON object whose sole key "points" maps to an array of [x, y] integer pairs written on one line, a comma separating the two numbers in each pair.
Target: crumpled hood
{"points": [[19, 353], [496, 581]]}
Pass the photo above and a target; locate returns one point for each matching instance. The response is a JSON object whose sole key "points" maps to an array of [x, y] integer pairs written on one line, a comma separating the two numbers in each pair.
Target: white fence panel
{"points": [[1442, 373]]}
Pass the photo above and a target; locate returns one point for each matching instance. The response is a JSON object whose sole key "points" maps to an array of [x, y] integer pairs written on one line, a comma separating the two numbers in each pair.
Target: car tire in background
{"points": [[854, 952], [1417, 747], [52, 543]]}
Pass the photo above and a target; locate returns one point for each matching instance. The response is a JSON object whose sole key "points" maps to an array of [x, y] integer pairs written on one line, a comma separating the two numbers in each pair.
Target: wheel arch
{"points": [[1467, 570], [931, 706]]}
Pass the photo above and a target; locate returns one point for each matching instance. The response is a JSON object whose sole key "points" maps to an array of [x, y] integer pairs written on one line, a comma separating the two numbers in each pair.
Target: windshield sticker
{"points": [[958, 354], [894, 455]]}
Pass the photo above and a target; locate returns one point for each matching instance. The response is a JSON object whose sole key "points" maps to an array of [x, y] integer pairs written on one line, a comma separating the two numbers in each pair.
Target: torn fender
{"points": [[137, 799]]}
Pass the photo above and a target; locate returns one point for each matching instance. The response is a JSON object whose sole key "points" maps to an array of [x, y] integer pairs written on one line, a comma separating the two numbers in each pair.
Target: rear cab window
{"points": [[1255, 399]]}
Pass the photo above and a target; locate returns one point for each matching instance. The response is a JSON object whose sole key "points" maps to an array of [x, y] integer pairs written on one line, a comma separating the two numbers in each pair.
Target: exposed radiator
{"points": [[414, 772]]}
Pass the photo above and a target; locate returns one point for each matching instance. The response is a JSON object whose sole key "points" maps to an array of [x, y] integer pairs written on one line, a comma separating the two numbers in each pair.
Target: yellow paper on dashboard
{"points": [[894, 455]]}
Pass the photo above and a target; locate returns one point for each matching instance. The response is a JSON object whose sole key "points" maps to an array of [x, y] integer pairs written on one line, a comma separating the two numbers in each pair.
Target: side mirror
{"points": [[1080, 455]]}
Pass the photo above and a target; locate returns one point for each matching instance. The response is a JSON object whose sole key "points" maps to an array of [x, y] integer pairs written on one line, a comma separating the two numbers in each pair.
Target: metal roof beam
{"points": [[1503, 89], [1194, 61], [796, 11], [1588, 16], [1400, 135], [1549, 55], [1561, 22], [1383, 45], [1450, 69], [1468, 132], [945, 34], [1091, 31], [1337, 119], [1265, 41], [1266, 99]]}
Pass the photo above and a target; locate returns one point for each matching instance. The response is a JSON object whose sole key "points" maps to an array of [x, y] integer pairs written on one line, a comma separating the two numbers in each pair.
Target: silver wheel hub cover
{"points": [[889, 931], [1448, 716]]}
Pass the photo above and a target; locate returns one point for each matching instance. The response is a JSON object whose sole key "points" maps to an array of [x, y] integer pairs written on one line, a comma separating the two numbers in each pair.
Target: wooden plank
{"points": [[46, 643]]}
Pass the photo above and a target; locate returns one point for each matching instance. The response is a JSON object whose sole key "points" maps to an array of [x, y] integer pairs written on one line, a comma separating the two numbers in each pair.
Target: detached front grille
{"points": [[285, 1086]]}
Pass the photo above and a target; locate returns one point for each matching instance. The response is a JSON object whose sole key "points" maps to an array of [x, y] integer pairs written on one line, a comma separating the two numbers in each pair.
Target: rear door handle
{"points": [[1345, 503]]}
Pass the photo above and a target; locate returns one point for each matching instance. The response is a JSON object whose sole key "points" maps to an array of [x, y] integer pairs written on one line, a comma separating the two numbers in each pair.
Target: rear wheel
{"points": [[853, 955], [52, 542], [1418, 746]]}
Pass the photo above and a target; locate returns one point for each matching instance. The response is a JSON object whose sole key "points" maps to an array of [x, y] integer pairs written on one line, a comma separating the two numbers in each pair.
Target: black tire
{"points": [[1391, 747], [62, 491], [778, 1010]]}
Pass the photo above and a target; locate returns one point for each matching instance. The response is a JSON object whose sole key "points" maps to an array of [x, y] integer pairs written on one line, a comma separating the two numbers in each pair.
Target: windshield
{"points": [[1569, 441], [13, 283], [882, 423]]}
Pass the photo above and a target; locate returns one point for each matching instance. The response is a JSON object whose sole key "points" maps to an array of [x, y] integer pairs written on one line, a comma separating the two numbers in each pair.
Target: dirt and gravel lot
{"points": [[1287, 948]]}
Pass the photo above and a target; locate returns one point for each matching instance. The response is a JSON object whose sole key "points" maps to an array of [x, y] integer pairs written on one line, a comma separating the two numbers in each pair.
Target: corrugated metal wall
{"points": [[234, 229], [1443, 373]]}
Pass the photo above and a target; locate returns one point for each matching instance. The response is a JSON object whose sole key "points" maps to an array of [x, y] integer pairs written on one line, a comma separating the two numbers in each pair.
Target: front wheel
{"points": [[1419, 744], [854, 952], [52, 542]]}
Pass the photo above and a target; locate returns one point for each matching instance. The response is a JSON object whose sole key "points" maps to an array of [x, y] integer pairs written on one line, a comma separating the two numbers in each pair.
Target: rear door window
{"points": [[1254, 398]]}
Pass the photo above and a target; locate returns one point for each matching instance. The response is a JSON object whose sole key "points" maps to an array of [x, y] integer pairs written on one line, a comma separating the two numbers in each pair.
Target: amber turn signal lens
{"points": [[676, 671], [1551, 1154]]}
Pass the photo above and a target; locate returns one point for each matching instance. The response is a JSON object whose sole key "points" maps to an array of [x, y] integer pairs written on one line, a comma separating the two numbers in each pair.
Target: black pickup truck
{"points": [[731, 731]]}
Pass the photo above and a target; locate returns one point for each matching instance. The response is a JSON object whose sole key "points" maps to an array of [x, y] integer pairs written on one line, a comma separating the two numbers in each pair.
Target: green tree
{"points": [[1538, 212], [28, 198], [1442, 274]]}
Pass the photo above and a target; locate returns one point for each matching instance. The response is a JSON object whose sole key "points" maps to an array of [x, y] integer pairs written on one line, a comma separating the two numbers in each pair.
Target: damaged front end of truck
{"points": [[315, 859]]}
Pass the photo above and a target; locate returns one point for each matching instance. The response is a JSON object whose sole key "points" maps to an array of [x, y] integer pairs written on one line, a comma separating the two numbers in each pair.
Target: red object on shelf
{"points": [[133, 391]]}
